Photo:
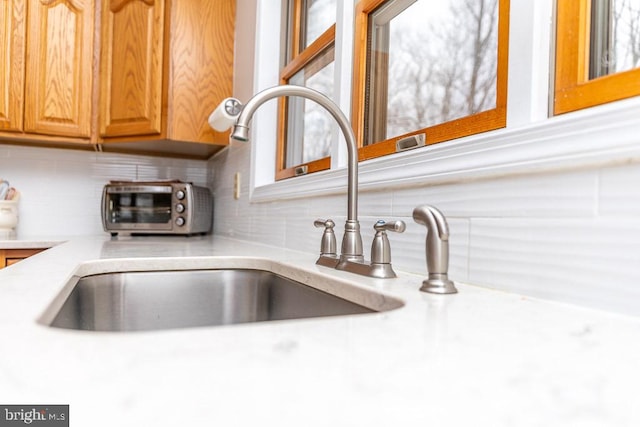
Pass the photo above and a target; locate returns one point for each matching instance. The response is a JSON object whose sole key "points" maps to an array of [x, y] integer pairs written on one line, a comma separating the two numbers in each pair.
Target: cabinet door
{"points": [[202, 43], [59, 79], [12, 48], [131, 67], [11, 256]]}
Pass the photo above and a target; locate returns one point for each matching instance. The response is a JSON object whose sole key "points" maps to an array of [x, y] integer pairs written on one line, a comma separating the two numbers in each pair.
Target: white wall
{"points": [[61, 189], [548, 208]]}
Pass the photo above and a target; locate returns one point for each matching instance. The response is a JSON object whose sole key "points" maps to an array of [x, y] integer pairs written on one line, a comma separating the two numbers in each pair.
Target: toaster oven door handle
{"points": [[145, 189]]}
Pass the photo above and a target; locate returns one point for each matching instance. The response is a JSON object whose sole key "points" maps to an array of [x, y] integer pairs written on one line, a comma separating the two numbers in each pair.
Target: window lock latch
{"points": [[411, 142]]}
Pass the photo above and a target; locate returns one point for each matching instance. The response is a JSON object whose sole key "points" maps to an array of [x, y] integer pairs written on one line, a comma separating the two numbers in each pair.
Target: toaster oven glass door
{"points": [[140, 208]]}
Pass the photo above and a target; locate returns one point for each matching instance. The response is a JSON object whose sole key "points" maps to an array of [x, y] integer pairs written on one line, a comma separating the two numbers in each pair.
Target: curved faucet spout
{"points": [[352, 241]]}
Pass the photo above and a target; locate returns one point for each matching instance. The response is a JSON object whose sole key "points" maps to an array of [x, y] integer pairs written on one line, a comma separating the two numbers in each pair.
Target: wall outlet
{"points": [[236, 186]]}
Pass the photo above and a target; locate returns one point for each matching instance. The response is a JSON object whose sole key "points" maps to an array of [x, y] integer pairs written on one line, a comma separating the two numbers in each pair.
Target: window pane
{"points": [[319, 15], [615, 36], [309, 126], [429, 62]]}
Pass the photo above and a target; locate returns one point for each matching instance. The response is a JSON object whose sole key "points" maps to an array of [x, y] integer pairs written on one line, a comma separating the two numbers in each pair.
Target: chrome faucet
{"points": [[351, 257], [437, 250]]}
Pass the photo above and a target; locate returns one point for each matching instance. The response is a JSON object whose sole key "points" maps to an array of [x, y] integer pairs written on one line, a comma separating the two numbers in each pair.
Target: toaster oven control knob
{"points": [[180, 194], [179, 208], [180, 221]]}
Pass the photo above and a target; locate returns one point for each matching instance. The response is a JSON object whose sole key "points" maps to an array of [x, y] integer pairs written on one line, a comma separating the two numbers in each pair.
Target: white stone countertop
{"points": [[476, 358], [30, 243]]}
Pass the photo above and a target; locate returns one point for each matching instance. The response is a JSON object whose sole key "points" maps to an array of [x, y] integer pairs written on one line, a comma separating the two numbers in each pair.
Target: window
{"points": [[597, 52], [432, 68], [306, 129]]}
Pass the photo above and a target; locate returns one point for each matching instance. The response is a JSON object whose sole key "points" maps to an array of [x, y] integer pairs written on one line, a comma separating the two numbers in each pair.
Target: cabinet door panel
{"points": [[202, 43], [59, 67], [12, 47], [131, 68], [11, 256]]}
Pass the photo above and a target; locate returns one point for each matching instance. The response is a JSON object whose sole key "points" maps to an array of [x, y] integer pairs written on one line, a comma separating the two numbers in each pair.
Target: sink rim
{"points": [[357, 293]]}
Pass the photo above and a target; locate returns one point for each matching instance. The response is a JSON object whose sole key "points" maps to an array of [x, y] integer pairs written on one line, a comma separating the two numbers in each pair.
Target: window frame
{"points": [[297, 59], [484, 121], [533, 142], [573, 89]]}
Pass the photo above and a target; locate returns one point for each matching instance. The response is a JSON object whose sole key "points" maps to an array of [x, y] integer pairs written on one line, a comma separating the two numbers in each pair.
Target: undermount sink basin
{"points": [[151, 300]]}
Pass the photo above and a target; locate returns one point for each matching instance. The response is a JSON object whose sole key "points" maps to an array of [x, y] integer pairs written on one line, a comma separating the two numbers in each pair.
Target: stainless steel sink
{"points": [[137, 301]]}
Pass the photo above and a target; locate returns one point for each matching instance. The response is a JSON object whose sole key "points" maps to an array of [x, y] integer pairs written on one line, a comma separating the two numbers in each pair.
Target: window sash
{"points": [[297, 144], [491, 119], [309, 31], [298, 59], [574, 90]]}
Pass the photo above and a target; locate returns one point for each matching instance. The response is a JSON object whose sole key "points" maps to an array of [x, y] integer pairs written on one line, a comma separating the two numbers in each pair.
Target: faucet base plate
{"points": [[438, 283], [377, 270], [328, 261]]}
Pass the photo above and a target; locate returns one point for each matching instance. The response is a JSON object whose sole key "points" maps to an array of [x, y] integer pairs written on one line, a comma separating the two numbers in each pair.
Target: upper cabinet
{"points": [[58, 80], [46, 88], [131, 67], [201, 68], [165, 109], [119, 75], [12, 55]]}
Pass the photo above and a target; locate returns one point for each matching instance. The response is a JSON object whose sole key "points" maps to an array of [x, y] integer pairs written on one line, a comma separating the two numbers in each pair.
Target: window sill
{"points": [[596, 137]]}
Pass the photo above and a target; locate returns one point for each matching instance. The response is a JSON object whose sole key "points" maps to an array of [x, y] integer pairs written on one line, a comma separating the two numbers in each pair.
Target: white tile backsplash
{"points": [[619, 191], [61, 189], [373, 204], [553, 195], [589, 261], [571, 236]]}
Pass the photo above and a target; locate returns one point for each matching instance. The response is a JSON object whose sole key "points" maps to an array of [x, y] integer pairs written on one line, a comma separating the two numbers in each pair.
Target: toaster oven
{"points": [[158, 207]]}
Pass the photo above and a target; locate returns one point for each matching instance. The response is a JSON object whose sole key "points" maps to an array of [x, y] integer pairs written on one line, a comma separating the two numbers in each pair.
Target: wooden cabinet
{"points": [[46, 88], [11, 256], [59, 78], [136, 76], [197, 75], [201, 68], [12, 56], [131, 67]]}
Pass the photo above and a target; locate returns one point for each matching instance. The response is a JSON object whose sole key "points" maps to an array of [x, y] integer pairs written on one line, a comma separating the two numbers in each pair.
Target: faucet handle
{"points": [[380, 248], [328, 223], [328, 243], [397, 226]]}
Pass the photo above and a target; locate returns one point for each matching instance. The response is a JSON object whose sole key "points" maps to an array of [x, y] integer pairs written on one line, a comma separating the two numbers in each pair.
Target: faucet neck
{"points": [[240, 131]]}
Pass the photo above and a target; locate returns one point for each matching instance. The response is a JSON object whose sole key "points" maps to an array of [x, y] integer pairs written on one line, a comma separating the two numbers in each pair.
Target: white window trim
{"points": [[531, 143]]}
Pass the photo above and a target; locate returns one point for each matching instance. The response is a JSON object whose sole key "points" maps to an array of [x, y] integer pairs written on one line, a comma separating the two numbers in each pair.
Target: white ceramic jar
{"points": [[8, 214]]}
